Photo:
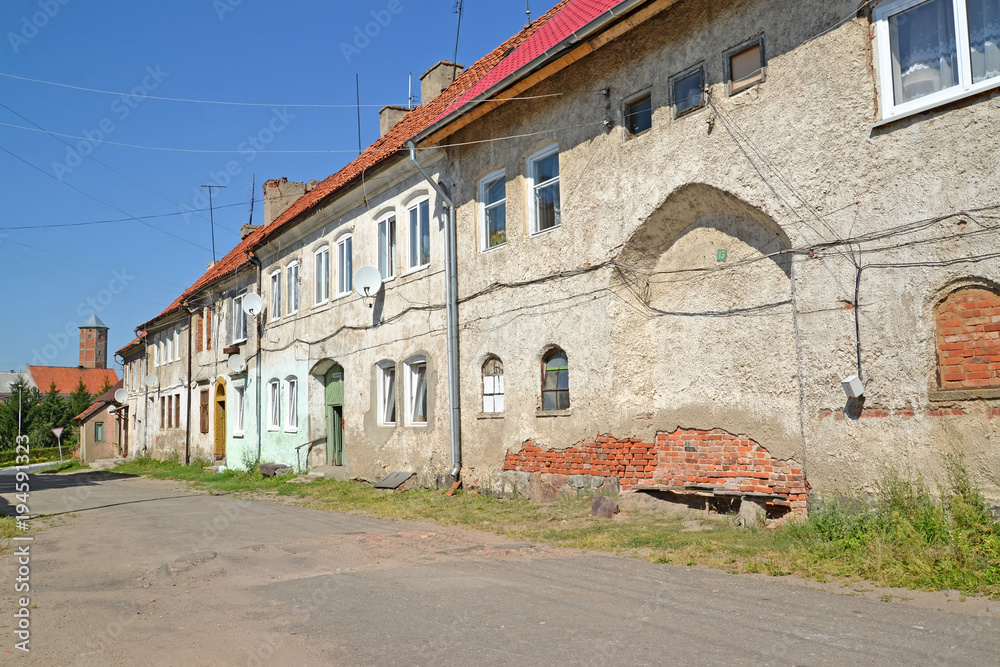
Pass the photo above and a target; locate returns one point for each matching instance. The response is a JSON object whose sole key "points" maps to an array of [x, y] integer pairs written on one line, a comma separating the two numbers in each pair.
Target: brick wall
{"points": [[968, 340], [678, 461]]}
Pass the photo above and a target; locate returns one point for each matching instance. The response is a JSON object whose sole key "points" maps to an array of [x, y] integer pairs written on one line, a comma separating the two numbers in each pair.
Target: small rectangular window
{"points": [[420, 235], [292, 419], [687, 91], [416, 392], [639, 114], [204, 410], [493, 210], [274, 406], [177, 411], [238, 410], [745, 65], [98, 431], [345, 264], [276, 294], [543, 177], [292, 288], [387, 394], [387, 247], [322, 275], [239, 329]]}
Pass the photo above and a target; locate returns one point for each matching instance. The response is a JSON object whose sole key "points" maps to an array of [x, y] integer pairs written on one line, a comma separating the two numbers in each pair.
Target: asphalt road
{"points": [[129, 571]]}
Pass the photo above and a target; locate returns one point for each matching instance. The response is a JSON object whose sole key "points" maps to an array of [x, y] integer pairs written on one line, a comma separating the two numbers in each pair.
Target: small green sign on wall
{"points": [[721, 255]]}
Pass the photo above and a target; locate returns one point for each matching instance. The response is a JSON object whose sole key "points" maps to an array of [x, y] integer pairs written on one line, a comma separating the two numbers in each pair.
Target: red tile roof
{"points": [[132, 344], [568, 19], [67, 378], [107, 398], [375, 155]]}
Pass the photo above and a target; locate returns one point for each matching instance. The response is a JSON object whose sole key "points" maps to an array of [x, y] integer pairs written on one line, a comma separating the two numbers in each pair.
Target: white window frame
{"points": [[533, 187], [387, 260], [321, 276], [412, 238], [273, 405], [412, 389], [239, 408], [345, 251], [239, 320], [383, 396], [489, 179], [964, 88], [275, 293], [292, 288], [493, 389], [291, 404]]}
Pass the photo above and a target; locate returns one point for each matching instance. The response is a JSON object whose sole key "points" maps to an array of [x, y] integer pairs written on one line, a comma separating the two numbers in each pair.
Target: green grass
{"points": [[905, 538], [8, 457]]}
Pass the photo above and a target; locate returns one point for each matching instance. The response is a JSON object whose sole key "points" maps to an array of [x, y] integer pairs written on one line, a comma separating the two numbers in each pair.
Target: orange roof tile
{"points": [[66, 378], [383, 150]]}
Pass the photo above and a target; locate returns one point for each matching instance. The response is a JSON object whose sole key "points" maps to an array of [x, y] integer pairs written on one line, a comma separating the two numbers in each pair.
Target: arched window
{"points": [[555, 380], [967, 339], [493, 385]]}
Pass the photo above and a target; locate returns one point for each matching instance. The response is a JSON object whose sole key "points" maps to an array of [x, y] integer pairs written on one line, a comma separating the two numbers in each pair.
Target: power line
{"points": [[105, 222], [242, 104], [98, 200]]}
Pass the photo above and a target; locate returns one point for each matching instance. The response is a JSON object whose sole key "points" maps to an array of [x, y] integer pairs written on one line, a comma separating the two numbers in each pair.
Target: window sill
{"points": [[936, 102], [554, 413], [321, 304], [688, 112], [949, 395], [273, 429], [629, 136], [392, 425], [237, 435], [496, 247], [418, 424], [490, 415], [416, 269], [292, 430], [547, 231]]}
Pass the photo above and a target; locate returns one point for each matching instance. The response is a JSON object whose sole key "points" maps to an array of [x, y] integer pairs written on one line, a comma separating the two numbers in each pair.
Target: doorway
{"points": [[220, 420], [335, 416]]}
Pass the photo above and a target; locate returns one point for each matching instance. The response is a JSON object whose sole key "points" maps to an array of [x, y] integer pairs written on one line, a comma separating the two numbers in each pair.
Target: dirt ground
{"points": [[130, 571]]}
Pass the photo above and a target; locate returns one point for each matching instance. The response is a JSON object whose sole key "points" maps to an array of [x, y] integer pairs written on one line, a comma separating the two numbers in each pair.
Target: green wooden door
{"points": [[335, 416]]}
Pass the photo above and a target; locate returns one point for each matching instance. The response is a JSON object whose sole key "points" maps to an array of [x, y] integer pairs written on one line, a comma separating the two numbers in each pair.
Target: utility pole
{"points": [[211, 214]]}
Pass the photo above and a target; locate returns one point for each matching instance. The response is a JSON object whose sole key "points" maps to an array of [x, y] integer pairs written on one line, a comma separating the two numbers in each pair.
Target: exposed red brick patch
{"points": [[968, 340], [684, 458]]}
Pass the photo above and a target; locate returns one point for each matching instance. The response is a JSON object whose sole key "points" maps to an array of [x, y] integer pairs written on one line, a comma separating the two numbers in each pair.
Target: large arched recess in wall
{"points": [[706, 339]]}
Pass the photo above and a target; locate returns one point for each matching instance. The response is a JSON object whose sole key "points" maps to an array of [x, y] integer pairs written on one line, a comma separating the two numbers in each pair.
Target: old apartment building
{"points": [[678, 227]]}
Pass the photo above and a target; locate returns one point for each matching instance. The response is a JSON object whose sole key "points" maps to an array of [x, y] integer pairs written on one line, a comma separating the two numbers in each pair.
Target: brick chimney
{"points": [[437, 78], [279, 194], [389, 117]]}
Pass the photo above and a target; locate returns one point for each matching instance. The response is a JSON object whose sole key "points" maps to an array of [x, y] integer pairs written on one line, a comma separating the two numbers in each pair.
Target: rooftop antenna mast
{"points": [[253, 194], [357, 88], [409, 93], [458, 32], [211, 214], [527, 8]]}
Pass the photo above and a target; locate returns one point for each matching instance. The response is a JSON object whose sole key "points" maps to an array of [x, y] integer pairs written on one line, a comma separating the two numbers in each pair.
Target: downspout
{"points": [[258, 325], [451, 318], [187, 425]]}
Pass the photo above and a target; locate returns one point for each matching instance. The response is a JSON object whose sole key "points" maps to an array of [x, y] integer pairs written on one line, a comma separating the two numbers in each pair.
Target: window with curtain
{"points": [[936, 51]]}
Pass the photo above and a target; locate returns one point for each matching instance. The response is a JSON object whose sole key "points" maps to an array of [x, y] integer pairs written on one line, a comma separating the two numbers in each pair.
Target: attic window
{"points": [[744, 65], [687, 91], [639, 113]]}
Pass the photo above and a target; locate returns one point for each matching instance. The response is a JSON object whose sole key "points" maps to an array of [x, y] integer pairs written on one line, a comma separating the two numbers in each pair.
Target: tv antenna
{"points": [[211, 214], [527, 10]]}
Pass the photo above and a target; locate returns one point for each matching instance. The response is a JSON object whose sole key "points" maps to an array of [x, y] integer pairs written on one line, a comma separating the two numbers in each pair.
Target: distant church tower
{"points": [[94, 344]]}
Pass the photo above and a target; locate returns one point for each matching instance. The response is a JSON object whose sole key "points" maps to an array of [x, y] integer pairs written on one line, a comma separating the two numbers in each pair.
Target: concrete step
{"points": [[105, 464]]}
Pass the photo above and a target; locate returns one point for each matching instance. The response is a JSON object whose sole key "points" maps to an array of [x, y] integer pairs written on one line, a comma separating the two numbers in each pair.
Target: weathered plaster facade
{"points": [[659, 334]]}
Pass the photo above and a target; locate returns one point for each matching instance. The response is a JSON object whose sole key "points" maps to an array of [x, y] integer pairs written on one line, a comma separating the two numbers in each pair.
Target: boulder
{"points": [[604, 507]]}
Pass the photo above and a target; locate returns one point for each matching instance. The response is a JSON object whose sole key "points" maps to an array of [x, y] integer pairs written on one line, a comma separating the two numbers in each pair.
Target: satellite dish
{"points": [[367, 281], [150, 381], [237, 363], [121, 395], [252, 304]]}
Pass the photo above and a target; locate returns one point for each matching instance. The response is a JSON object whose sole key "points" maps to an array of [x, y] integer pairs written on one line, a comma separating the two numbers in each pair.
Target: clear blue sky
{"points": [[271, 53]]}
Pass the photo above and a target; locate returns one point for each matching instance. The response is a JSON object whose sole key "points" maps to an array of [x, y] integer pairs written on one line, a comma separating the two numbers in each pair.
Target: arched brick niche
{"points": [[968, 340]]}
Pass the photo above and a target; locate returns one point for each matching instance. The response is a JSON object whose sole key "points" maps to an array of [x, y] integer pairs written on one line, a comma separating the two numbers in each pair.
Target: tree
{"points": [[79, 400], [105, 388]]}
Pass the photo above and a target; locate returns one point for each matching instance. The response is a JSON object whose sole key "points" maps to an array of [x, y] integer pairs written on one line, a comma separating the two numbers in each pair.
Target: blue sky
{"points": [[251, 51]]}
